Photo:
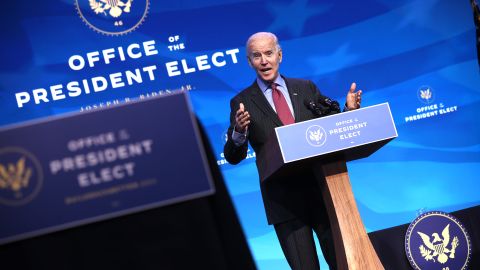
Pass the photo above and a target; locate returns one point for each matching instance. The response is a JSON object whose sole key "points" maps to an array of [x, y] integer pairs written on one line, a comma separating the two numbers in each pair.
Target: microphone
{"points": [[324, 106], [330, 103], [317, 109]]}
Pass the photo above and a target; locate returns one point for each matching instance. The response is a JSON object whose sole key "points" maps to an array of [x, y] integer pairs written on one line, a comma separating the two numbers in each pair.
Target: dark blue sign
{"points": [[336, 132], [437, 240], [66, 171]]}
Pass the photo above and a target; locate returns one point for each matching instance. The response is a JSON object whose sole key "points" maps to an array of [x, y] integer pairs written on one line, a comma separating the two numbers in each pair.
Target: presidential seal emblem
{"points": [[112, 17], [437, 240], [21, 176], [426, 94], [316, 135]]}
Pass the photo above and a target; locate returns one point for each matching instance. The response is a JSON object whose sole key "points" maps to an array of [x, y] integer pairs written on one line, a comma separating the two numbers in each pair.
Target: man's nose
{"points": [[263, 60]]}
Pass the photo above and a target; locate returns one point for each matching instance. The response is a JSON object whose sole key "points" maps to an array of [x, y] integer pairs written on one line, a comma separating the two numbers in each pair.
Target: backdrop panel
{"points": [[418, 55]]}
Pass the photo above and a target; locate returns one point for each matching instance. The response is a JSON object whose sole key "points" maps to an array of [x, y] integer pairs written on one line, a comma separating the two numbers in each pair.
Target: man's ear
{"points": [[280, 55]]}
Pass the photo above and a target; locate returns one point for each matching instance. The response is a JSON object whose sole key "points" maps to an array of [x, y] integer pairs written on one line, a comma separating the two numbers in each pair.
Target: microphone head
{"points": [[310, 104], [317, 108], [332, 104]]}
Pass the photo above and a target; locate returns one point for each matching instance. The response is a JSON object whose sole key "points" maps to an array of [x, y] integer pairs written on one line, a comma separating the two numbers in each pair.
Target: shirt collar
{"points": [[265, 86]]}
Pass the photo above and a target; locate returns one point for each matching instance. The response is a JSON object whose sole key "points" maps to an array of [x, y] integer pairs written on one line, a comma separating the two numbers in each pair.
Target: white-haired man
{"points": [[294, 206]]}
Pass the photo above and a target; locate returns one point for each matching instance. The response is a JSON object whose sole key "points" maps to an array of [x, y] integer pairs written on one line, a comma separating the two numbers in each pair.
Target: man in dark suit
{"points": [[294, 206]]}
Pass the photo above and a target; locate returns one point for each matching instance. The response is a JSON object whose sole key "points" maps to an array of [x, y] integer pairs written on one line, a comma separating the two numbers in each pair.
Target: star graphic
{"points": [[293, 16], [419, 13], [338, 60]]}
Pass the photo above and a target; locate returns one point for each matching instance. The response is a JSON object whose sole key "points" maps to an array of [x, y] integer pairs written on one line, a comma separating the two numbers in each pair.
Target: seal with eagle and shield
{"points": [[112, 17], [437, 240]]}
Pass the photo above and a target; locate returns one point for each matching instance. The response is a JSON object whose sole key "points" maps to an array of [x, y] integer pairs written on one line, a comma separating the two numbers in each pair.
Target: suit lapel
{"points": [[261, 101]]}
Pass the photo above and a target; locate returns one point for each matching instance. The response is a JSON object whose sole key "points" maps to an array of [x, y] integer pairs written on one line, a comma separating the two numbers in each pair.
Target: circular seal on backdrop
{"points": [[112, 17], [426, 94], [437, 240], [21, 176], [316, 135]]}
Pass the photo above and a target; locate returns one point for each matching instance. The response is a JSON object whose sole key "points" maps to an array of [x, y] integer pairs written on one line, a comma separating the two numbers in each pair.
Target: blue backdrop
{"points": [[418, 55]]}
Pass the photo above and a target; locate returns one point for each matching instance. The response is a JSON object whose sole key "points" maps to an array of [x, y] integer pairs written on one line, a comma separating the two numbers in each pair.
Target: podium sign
{"points": [[66, 171], [336, 132], [345, 136]]}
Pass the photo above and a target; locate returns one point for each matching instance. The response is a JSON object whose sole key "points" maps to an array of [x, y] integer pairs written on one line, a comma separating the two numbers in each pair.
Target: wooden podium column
{"points": [[353, 248]]}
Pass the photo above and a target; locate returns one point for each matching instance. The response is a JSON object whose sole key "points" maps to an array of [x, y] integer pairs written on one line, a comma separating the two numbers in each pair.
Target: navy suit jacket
{"points": [[284, 199]]}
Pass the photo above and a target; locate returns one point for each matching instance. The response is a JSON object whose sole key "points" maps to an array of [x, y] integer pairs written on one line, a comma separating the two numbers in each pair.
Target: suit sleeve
{"points": [[234, 154], [315, 91]]}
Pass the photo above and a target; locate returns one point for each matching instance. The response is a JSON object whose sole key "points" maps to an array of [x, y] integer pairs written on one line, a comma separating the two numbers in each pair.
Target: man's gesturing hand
{"points": [[242, 119], [354, 99]]}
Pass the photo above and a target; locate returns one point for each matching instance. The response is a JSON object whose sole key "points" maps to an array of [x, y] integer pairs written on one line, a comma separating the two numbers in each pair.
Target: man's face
{"points": [[264, 57]]}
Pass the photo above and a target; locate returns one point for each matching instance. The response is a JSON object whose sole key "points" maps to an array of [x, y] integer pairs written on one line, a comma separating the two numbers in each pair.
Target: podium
{"points": [[325, 145]]}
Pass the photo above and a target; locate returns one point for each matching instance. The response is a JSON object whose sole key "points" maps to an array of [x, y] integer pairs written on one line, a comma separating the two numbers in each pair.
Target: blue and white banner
{"points": [[85, 167]]}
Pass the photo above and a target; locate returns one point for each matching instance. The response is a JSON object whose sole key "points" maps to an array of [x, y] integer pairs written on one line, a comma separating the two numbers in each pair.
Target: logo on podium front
{"points": [[112, 17], [316, 135], [437, 240], [20, 176]]}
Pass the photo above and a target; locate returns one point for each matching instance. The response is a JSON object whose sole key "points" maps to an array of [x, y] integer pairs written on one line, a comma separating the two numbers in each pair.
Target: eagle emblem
{"points": [[438, 247], [15, 176], [316, 135], [115, 8], [112, 17], [428, 249], [426, 94]]}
